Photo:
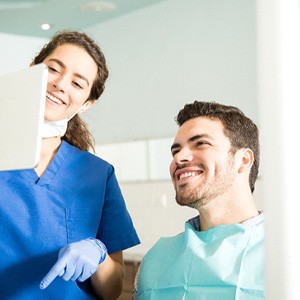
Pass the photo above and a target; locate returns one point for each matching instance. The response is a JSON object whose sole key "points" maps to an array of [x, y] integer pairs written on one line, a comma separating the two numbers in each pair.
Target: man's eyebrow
{"points": [[192, 139], [64, 66], [200, 136]]}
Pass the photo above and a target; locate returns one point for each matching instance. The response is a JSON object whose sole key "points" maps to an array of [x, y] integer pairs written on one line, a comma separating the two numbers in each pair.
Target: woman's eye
{"points": [[52, 69], [77, 84]]}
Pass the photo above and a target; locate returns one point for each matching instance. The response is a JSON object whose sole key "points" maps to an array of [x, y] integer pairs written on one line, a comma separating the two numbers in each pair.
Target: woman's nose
{"points": [[59, 84]]}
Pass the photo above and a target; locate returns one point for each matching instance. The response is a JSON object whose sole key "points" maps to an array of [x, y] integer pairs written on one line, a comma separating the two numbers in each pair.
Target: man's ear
{"points": [[246, 159], [87, 105]]}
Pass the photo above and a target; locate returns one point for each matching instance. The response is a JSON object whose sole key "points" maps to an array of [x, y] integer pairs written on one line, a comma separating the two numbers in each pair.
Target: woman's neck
{"points": [[48, 151]]}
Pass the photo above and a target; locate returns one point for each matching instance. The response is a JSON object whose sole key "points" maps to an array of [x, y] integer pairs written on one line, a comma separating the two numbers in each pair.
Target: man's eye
{"points": [[174, 152], [200, 143]]}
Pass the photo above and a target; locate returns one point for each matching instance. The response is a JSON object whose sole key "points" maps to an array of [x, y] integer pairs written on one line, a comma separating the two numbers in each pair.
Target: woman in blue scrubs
{"points": [[64, 224]]}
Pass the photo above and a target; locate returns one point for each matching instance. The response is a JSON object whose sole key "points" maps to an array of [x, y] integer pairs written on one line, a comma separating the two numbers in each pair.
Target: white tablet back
{"points": [[22, 106]]}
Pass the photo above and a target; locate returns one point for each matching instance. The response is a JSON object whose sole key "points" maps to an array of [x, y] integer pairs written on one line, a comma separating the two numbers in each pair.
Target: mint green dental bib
{"points": [[222, 263]]}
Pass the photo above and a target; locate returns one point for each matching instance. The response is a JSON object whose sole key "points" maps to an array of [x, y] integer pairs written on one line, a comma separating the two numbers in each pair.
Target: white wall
{"points": [[171, 53]]}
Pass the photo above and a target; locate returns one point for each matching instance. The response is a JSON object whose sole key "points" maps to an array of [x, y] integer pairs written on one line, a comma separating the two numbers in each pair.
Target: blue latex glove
{"points": [[77, 261]]}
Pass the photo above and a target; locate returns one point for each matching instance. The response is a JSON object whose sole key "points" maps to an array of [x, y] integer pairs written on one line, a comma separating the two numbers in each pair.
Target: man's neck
{"points": [[220, 212]]}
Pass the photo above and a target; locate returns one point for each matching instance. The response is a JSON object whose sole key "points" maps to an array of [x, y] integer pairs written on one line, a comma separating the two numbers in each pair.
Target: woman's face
{"points": [[71, 75]]}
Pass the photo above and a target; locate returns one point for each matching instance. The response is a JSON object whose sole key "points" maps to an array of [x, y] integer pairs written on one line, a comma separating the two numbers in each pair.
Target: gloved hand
{"points": [[77, 261]]}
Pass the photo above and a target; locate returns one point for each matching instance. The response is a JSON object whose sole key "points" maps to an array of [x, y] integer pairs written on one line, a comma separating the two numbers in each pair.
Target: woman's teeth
{"points": [[54, 99]]}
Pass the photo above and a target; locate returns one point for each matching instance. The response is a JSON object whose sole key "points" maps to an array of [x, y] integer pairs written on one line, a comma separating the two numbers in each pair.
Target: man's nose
{"points": [[185, 155]]}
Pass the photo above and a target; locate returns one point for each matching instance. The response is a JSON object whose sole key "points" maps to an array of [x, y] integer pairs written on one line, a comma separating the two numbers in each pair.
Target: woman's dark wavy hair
{"points": [[77, 133], [240, 130]]}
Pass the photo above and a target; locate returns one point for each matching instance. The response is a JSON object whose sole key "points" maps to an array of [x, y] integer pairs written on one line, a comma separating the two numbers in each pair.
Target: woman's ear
{"points": [[87, 105], [246, 160]]}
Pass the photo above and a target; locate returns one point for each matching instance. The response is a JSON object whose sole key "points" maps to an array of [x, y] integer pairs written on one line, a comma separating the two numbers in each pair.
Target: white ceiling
{"points": [[24, 17]]}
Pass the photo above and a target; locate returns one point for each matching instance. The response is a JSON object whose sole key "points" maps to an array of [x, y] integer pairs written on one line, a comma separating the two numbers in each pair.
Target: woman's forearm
{"points": [[107, 282]]}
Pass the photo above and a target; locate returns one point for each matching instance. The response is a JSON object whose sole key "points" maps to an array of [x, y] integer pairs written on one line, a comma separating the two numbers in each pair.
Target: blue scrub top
{"points": [[77, 197]]}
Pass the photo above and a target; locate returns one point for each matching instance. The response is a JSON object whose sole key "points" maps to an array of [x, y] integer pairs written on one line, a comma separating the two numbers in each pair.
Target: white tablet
{"points": [[22, 107]]}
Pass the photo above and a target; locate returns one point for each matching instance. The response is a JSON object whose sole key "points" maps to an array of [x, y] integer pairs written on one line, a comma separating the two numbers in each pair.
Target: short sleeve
{"points": [[116, 229]]}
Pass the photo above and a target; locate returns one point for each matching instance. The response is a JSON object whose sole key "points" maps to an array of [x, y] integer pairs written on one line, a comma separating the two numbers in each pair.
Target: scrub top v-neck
{"points": [[52, 168]]}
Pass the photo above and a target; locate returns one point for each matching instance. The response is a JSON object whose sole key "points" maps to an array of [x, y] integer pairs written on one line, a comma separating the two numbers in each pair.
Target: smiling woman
{"points": [[77, 133], [69, 83], [62, 218]]}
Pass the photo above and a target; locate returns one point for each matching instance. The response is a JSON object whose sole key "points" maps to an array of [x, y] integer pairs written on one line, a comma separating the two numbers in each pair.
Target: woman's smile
{"points": [[54, 99]]}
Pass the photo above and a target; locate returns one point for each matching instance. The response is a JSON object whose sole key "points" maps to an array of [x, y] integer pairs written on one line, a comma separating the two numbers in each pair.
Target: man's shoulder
{"points": [[162, 246], [168, 241]]}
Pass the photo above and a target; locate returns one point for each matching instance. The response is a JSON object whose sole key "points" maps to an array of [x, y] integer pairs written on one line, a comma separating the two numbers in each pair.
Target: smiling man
{"points": [[220, 253]]}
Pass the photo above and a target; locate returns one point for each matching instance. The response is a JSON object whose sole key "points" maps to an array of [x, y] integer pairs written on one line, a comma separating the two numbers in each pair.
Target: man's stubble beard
{"points": [[206, 192]]}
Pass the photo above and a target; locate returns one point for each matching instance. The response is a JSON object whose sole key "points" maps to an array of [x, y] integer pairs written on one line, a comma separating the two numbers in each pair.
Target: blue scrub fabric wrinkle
{"points": [[77, 197], [225, 262]]}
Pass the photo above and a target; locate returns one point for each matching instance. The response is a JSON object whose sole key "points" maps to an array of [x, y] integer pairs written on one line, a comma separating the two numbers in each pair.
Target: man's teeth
{"points": [[188, 174], [54, 99]]}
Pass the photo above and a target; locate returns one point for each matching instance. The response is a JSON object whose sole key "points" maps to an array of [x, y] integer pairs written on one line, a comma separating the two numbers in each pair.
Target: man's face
{"points": [[202, 167]]}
